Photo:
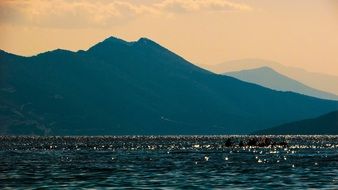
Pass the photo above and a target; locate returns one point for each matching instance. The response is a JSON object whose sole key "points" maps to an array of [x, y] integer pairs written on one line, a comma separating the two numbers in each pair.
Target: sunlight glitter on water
{"points": [[169, 161]]}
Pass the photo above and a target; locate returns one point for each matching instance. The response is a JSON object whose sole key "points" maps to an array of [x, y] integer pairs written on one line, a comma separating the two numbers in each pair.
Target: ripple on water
{"points": [[168, 162]]}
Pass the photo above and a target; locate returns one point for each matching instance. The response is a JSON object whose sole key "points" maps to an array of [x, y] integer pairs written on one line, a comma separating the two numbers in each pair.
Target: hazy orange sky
{"points": [[302, 33]]}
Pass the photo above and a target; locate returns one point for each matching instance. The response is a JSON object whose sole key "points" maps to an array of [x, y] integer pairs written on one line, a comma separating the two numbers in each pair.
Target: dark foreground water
{"points": [[188, 162]]}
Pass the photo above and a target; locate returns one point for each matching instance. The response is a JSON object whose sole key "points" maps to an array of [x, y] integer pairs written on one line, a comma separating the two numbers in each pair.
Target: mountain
{"points": [[269, 78], [136, 88], [323, 82], [324, 125]]}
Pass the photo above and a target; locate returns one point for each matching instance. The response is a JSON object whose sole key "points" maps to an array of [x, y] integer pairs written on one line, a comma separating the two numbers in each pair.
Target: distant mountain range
{"points": [[323, 82], [269, 78], [136, 88], [324, 125]]}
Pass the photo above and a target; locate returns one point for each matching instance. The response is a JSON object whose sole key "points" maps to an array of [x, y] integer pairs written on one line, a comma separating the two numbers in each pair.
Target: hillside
{"points": [[126, 88], [267, 77], [324, 125], [320, 81]]}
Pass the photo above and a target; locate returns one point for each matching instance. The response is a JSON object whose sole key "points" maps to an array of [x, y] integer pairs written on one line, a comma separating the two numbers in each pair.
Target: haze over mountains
{"points": [[323, 82], [127, 88], [269, 78]]}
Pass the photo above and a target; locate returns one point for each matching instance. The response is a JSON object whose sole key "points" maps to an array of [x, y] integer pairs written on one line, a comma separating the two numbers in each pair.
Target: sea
{"points": [[168, 162]]}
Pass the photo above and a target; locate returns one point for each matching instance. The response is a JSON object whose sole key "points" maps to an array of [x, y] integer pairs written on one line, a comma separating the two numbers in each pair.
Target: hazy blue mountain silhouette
{"points": [[267, 77], [320, 81], [324, 125], [118, 88]]}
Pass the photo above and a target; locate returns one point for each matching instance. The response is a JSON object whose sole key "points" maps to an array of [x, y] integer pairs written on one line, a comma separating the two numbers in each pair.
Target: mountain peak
{"points": [[147, 42], [117, 42], [268, 77], [113, 39], [108, 43], [142, 40], [263, 68], [56, 52], [132, 89]]}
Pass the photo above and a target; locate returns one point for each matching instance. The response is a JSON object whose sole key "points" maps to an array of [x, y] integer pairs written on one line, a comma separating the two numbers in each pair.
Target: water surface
{"points": [[168, 162]]}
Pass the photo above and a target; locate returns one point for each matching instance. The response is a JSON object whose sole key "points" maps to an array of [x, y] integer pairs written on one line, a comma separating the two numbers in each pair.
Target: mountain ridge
{"points": [[270, 78], [324, 82], [326, 124], [124, 89]]}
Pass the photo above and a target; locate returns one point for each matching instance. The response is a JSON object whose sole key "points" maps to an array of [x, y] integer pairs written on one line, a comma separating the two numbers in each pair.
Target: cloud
{"points": [[69, 14], [101, 13], [201, 5]]}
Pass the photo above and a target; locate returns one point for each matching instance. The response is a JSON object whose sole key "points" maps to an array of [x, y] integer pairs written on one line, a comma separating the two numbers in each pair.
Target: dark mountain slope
{"points": [[119, 87], [324, 125]]}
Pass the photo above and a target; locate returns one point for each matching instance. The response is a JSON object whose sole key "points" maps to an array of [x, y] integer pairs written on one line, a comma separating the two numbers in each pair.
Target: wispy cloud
{"points": [[101, 13], [201, 5]]}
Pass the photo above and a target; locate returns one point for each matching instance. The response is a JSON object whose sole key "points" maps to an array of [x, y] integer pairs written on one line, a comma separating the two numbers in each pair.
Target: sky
{"points": [[302, 33]]}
